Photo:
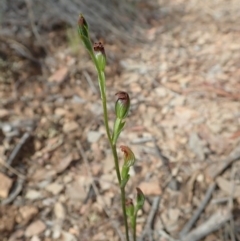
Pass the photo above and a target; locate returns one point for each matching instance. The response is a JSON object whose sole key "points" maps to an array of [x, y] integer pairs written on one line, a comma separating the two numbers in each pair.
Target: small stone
{"points": [[33, 195], [60, 111], [4, 113], [70, 126], [59, 211], [5, 185], [27, 213], [59, 76], [47, 233], [150, 188], [76, 192], [93, 136], [68, 236], [6, 128], [57, 228], [35, 238], [55, 188], [67, 179], [35, 228]]}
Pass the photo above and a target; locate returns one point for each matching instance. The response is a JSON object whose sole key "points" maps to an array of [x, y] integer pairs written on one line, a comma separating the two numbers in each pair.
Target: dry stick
{"points": [[212, 224], [234, 156], [16, 191], [11, 169], [166, 236], [17, 148], [114, 224], [8, 163], [147, 228], [230, 204], [197, 213]]}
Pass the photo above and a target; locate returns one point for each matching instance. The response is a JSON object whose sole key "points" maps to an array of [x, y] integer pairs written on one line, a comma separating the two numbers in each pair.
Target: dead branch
{"points": [[147, 228], [216, 221], [15, 192], [18, 148], [198, 212]]}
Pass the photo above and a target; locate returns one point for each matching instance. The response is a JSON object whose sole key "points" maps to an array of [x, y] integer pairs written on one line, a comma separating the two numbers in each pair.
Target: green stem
{"points": [[134, 228], [124, 212], [101, 79]]}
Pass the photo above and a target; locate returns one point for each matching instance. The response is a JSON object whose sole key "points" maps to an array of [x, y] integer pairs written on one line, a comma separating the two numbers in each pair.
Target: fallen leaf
{"points": [[150, 188], [4, 113], [55, 188], [59, 211], [228, 187], [5, 185], [35, 228], [93, 136], [59, 76], [27, 213], [70, 126], [63, 164], [33, 195]]}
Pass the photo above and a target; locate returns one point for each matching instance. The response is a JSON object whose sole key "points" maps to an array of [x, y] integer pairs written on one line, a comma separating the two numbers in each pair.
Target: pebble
{"points": [[33, 195], [35, 228], [54, 188], [93, 136]]}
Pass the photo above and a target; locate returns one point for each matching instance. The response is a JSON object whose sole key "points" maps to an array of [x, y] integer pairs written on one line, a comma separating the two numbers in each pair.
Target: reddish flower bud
{"points": [[82, 27], [82, 22], [83, 33], [122, 104], [129, 157], [100, 55]]}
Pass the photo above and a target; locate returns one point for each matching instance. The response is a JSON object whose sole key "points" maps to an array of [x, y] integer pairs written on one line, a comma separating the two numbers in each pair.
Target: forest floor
{"points": [[183, 126]]}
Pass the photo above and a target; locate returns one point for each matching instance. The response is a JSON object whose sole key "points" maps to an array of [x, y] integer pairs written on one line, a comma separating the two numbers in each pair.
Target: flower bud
{"points": [[129, 157], [140, 198], [100, 55], [122, 104], [83, 33], [82, 26], [129, 207]]}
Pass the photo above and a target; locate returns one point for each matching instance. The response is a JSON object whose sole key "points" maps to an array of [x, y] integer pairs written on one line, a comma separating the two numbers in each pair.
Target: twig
{"points": [[234, 156], [230, 203], [197, 213], [32, 23], [212, 224], [166, 236], [11, 169], [15, 192], [17, 148], [147, 228], [114, 224]]}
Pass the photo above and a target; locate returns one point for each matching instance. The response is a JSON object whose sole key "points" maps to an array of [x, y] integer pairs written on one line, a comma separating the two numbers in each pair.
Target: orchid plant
{"points": [[122, 106]]}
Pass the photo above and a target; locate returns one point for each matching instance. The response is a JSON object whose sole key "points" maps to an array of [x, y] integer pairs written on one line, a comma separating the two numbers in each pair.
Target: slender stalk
{"points": [[101, 79], [124, 212], [134, 228]]}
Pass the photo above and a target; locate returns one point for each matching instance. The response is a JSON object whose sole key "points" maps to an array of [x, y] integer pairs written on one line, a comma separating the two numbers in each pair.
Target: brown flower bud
{"points": [[122, 104], [100, 55], [129, 157]]}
